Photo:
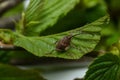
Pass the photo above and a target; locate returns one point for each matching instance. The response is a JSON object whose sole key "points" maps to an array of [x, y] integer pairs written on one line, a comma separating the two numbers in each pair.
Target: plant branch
{"points": [[9, 47]]}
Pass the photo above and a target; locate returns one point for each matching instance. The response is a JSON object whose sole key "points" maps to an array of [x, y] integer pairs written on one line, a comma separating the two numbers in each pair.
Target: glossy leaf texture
{"points": [[106, 67], [89, 36], [8, 72], [42, 14]]}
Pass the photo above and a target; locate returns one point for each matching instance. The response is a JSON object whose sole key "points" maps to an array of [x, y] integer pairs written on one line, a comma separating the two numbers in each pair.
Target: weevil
{"points": [[64, 43]]}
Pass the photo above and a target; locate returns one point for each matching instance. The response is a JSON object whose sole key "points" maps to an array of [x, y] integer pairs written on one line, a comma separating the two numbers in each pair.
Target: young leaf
{"points": [[34, 10], [89, 36], [115, 48], [45, 13], [6, 35], [106, 67], [8, 72]]}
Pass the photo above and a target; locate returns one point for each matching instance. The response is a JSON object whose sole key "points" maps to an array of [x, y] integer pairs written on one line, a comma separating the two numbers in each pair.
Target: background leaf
{"points": [[14, 11], [39, 17], [8, 72], [34, 10], [80, 44], [77, 17], [106, 67]]}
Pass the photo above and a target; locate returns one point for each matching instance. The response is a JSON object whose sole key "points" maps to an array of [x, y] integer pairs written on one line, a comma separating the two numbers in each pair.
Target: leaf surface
{"points": [[42, 14], [106, 67], [89, 36]]}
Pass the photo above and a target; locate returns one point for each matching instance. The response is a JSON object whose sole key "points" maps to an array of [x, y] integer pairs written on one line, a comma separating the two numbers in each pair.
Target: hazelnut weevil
{"points": [[64, 43]]}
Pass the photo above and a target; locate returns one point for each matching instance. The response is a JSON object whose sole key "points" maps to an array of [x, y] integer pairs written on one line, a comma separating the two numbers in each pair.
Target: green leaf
{"points": [[8, 72], [106, 67], [42, 14], [90, 3], [115, 48], [33, 11], [76, 18], [80, 44]]}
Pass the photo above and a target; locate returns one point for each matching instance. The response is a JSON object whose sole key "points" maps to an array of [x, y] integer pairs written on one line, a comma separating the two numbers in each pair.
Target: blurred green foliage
{"points": [[14, 11], [85, 12]]}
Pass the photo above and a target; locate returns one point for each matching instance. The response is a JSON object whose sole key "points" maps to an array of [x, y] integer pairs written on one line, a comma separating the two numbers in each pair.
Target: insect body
{"points": [[64, 43]]}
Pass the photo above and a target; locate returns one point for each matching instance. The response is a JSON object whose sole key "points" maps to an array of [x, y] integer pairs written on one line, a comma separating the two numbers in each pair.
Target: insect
{"points": [[64, 43]]}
